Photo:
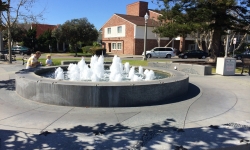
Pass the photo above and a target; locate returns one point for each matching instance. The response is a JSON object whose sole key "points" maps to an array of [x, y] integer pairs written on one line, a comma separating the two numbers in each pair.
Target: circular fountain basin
{"points": [[99, 94]]}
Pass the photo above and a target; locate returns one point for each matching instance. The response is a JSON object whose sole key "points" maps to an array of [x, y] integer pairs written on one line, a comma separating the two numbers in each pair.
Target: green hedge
{"points": [[86, 49], [98, 51]]}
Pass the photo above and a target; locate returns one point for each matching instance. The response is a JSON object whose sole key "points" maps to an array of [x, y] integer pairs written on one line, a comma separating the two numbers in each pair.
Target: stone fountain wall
{"points": [[100, 94]]}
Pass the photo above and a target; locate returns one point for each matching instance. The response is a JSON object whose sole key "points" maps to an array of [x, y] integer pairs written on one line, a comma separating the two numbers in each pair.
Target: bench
{"points": [[6, 57], [187, 68], [13, 57], [3, 56], [245, 62]]}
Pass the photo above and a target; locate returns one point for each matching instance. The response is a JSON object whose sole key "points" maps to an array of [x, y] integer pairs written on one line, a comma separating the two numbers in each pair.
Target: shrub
{"points": [[72, 49], [86, 49], [98, 51], [96, 44]]}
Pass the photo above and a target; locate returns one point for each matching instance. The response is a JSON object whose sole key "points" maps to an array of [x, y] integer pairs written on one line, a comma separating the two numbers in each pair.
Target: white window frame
{"points": [[113, 45], [119, 29], [109, 30], [116, 46], [119, 45]]}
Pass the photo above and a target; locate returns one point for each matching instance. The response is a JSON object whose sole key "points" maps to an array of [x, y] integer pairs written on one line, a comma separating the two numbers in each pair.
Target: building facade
{"points": [[124, 33]]}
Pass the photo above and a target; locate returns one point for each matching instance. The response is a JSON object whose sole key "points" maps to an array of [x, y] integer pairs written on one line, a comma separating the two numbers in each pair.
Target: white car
{"points": [[164, 52]]}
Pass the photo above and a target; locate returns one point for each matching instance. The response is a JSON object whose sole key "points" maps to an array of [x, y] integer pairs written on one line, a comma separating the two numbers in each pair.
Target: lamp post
{"points": [[145, 37]]}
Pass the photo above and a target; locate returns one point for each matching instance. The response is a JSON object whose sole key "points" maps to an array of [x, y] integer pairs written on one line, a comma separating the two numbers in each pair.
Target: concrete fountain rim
{"points": [[33, 74], [100, 94]]}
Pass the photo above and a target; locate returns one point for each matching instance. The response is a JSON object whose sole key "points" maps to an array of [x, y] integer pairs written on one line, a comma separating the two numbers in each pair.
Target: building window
{"points": [[116, 46], [119, 29], [109, 30], [119, 46], [113, 45]]}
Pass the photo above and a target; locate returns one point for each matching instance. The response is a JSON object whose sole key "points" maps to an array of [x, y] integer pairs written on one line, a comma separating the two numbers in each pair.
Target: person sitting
{"points": [[33, 62], [48, 61]]}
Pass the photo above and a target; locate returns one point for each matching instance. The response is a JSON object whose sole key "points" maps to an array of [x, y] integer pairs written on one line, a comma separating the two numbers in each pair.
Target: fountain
{"points": [[142, 89], [96, 72]]}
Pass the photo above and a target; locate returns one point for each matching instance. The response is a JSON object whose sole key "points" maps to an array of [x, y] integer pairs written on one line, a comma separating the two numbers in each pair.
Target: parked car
{"points": [[165, 52], [239, 56], [194, 54], [21, 50]]}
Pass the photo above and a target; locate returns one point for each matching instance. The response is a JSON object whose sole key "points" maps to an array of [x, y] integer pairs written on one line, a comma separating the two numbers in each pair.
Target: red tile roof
{"points": [[139, 21]]}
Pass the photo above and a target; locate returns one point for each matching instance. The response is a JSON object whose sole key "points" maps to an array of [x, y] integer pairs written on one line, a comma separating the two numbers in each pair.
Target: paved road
{"points": [[211, 100]]}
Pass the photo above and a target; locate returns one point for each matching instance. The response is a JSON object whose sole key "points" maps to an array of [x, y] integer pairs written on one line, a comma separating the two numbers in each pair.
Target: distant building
{"points": [[124, 33], [41, 28]]}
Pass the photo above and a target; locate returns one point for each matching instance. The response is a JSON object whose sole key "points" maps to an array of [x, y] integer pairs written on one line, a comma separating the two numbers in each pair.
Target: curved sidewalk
{"points": [[212, 100]]}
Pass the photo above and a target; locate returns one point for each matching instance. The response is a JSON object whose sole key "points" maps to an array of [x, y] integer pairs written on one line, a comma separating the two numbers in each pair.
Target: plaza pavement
{"points": [[215, 114]]}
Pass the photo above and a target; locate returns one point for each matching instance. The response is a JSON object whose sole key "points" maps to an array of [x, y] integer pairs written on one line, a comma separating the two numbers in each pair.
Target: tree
{"points": [[57, 33], [30, 39], [78, 30], [3, 7], [173, 23], [211, 16], [18, 33], [46, 40], [18, 10]]}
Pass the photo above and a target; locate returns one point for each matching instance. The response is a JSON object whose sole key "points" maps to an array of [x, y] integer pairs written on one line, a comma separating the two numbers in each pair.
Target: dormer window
{"points": [[109, 30], [119, 29]]}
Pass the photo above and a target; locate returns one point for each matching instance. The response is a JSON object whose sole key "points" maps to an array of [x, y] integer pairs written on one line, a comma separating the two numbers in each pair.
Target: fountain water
{"points": [[116, 73]]}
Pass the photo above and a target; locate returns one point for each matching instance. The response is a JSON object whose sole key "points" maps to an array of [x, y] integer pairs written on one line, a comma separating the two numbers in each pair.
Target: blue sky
{"points": [[96, 11]]}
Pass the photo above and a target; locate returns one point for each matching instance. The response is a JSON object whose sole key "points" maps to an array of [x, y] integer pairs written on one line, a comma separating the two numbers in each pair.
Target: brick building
{"points": [[41, 28], [124, 33]]}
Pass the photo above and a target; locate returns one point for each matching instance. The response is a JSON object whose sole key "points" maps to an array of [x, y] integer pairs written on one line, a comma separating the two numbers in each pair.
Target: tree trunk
{"points": [[169, 42], [159, 41], [9, 35], [1, 35], [182, 44], [208, 40], [57, 46], [215, 47], [198, 41], [75, 50], [242, 39]]}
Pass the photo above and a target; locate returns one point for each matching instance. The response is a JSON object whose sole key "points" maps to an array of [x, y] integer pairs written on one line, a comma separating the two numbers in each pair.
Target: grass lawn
{"points": [[136, 62], [57, 61]]}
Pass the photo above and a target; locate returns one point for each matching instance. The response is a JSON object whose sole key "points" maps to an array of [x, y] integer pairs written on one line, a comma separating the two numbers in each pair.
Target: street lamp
{"points": [[145, 37]]}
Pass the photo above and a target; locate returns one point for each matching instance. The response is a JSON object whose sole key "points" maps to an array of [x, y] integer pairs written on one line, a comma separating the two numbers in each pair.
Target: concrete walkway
{"points": [[215, 114]]}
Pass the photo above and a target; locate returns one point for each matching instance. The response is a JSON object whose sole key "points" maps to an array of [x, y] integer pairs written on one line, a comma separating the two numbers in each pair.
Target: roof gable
{"points": [[139, 21]]}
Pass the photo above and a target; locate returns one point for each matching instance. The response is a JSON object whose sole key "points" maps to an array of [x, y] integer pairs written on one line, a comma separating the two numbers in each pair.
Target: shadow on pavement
{"points": [[8, 84], [103, 136]]}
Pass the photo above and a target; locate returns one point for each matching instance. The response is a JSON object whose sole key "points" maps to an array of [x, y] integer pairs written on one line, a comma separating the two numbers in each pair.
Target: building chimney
{"points": [[139, 8]]}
